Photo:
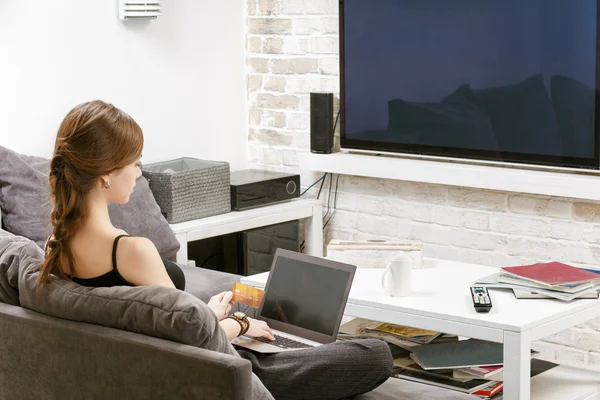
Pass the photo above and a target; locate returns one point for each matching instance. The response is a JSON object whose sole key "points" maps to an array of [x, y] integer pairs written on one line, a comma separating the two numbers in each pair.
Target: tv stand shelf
{"points": [[453, 173]]}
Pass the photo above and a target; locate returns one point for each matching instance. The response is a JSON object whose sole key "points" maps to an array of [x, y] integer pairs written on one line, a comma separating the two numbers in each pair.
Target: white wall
{"points": [[180, 76]]}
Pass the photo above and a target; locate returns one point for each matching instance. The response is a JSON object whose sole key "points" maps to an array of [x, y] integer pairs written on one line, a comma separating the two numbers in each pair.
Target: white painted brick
{"points": [[475, 257], [590, 232], [343, 220], [477, 199], [441, 252], [295, 45], [272, 156], [447, 216], [268, 7], [290, 158], [594, 361], [539, 205], [276, 101], [275, 83], [266, 26], [504, 260], [537, 250], [329, 66], [376, 225], [297, 65], [318, 6], [301, 140], [419, 192], [586, 212], [568, 230], [306, 26], [421, 212], [254, 44], [547, 350], [254, 82], [435, 234], [292, 6], [330, 26], [569, 356], [324, 45], [270, 137], [475, 220], [298, 120], [563, 337], [370, 205], [586, 339], [519, 225], [595, 324], [347, 201], [259, 65]]}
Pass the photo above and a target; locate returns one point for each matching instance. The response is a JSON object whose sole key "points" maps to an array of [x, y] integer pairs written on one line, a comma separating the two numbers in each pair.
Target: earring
{"points": [[107, 185]]}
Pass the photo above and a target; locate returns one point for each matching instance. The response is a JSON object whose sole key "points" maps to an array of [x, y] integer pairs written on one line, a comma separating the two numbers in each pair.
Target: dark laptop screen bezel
{"points": [[295, 330]]}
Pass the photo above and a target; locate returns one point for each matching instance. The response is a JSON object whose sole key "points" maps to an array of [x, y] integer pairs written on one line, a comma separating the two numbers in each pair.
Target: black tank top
{"points": [[114, 278]]}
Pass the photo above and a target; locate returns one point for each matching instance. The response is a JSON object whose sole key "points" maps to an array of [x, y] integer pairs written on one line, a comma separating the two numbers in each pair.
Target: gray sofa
{"points": [[48, 357], [67, 341]]}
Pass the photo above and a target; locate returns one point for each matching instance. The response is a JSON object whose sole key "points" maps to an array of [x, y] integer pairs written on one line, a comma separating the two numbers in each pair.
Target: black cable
{"points": [[317, 181], [328, 197], [322, 182], [334, 200]]}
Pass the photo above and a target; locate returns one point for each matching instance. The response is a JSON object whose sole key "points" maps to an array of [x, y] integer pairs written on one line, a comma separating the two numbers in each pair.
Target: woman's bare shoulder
{"points": [[136, 250]]}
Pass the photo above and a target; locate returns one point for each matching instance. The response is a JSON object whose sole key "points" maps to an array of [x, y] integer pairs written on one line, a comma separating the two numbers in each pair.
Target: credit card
{"points": [[248, 295]]}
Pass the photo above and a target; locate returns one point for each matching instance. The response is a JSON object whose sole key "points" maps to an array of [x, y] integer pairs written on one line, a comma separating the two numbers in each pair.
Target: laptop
{"points": [[304, 301]]}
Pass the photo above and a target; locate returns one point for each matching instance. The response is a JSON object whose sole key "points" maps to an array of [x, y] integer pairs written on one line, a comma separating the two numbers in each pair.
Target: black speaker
{"points": [[321, 123]]}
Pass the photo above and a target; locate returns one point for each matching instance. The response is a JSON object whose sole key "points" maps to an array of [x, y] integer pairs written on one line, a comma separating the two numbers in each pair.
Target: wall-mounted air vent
{"points": [[139, 9]]}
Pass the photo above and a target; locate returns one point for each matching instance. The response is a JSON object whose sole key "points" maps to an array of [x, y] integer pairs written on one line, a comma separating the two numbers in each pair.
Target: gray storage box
{"points": [[189, 188]]}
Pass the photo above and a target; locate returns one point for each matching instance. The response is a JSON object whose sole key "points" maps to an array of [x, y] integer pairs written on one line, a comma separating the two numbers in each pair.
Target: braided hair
{"points": [[94, 139]]}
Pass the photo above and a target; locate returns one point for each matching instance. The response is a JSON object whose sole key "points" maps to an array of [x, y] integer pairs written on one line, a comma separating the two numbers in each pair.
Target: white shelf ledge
{"points": [[551, 183]]}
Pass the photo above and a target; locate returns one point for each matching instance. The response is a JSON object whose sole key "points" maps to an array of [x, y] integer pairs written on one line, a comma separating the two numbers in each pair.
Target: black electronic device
{"points": [[254, 188], [481, 299], [321, 123]]}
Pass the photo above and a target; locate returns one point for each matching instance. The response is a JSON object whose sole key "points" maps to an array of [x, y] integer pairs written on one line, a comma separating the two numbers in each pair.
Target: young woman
{"points": [[96, 161]]}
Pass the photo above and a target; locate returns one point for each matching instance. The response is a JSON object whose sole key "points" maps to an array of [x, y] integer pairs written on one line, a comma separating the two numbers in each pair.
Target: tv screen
{"points": [[500, 80]]}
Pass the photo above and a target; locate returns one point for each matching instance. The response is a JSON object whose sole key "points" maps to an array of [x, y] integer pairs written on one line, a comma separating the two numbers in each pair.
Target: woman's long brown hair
{"points": [[94, 139]]}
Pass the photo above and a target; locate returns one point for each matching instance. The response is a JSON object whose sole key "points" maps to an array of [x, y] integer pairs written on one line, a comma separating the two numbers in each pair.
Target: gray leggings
{"points": [[338, 370]]}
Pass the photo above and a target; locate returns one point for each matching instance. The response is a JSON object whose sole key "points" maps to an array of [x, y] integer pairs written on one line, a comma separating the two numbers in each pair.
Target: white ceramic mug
{"points": [[397, 276]]}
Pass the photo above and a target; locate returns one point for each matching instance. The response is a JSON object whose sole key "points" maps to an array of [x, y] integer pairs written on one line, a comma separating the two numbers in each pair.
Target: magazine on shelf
{"points": [[469, 386]]}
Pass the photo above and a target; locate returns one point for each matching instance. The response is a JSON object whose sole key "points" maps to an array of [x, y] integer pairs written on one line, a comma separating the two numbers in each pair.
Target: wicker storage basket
{"points": [[189, 188]]}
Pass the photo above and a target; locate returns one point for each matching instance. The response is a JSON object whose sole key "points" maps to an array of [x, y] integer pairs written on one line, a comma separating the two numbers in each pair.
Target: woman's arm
{"points": [[232, 328]]}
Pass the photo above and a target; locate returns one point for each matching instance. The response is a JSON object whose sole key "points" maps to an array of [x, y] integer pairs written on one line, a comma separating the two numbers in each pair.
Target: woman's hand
{"points": [[221, 304], [259, 329]]}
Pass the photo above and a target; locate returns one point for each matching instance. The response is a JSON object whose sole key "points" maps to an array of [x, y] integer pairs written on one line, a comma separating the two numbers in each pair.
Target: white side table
{"points": [[440, 301], [308, 209]]}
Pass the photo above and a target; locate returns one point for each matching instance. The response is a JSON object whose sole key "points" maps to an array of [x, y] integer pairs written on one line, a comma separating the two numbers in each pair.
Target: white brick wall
{"points": [[292, 49]]}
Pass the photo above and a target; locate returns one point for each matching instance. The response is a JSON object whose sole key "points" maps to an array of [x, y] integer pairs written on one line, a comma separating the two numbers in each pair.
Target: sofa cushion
{"points": [[26, 208], [10, 258], [151, 310]]}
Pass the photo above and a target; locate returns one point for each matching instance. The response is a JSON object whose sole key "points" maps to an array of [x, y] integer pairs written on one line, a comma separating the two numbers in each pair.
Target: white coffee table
{"points": [[440, 301]]}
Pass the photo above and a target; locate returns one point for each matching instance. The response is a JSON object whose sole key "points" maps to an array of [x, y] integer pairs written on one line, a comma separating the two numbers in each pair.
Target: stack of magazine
{"points": [[546, 280], [469, 366]]}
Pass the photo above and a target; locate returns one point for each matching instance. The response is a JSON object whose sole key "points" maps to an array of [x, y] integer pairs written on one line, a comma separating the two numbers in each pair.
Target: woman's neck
{"points": [[97, 217]]}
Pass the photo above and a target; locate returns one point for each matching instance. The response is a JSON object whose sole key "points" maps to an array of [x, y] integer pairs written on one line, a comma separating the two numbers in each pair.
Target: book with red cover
{"points": [[552, 273]]}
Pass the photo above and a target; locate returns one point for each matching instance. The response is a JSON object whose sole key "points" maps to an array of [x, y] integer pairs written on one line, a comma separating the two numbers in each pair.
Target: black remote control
{"points": [[481, 299]]}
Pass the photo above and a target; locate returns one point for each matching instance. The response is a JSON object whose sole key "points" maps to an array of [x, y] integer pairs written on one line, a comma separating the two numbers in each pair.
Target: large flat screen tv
{"points": [[497, 80]]}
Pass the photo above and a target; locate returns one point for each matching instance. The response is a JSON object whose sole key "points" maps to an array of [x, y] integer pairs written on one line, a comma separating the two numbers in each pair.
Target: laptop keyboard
{"points": [[284, 343]]}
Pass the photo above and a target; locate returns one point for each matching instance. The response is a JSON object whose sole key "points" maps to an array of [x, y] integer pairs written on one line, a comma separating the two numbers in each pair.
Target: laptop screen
{"points": [[307, 292]]}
